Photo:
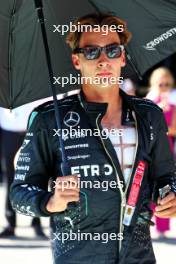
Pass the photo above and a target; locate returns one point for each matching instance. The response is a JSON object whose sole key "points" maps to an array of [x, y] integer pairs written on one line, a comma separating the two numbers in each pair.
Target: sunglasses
{"points": [[112, 51]]}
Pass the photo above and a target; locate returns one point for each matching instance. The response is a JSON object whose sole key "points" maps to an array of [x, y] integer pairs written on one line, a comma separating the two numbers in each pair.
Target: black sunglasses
{"points": [[112, 51]]}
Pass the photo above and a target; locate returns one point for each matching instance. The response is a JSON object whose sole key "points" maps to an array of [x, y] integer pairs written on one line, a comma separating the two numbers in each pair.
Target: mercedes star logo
{"points": [[71, 119]]}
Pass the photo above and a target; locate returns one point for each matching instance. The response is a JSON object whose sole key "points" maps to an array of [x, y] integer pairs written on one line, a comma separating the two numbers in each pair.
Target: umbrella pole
{"points": [[39, 8], [133, 65]]}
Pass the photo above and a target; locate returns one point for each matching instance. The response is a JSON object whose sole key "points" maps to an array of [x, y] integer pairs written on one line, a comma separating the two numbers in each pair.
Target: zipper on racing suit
{"points": [[122, 194]]}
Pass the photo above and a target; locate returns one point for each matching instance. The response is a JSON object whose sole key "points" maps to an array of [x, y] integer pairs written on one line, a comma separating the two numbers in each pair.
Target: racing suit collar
{"points": [[92, 106], [95, 107]]}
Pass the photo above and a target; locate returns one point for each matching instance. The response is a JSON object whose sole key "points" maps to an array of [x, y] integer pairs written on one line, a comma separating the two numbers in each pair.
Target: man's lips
{"points": [[104, 74]]}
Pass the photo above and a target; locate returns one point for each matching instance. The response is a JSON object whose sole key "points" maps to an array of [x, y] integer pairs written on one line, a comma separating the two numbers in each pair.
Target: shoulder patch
{"points": [[32, 117], [49, 106], [45, 106], [146, 102]]}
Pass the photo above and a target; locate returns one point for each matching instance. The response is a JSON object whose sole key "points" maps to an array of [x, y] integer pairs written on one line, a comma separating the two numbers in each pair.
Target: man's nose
{"points": [[103, 60]]}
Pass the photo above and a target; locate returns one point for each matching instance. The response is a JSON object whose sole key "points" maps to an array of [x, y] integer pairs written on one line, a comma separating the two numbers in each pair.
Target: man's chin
{"points": [[106, 83], [104, 87]]}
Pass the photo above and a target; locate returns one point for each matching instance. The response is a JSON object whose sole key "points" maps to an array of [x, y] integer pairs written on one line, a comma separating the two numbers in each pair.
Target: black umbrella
{"points": [[153, 26], [23, 69]]}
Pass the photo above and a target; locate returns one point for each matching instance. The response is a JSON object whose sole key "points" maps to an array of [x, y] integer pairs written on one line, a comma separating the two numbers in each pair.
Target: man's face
{"points": [[102, 67]]}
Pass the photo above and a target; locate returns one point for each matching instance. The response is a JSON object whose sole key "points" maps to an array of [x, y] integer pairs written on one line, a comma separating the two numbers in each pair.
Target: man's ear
{"points": [[75, 61], [123, 59]]}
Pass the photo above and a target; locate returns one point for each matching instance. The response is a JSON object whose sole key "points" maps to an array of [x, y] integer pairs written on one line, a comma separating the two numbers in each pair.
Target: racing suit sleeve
{"points": [[163, 167], [29, 191]]}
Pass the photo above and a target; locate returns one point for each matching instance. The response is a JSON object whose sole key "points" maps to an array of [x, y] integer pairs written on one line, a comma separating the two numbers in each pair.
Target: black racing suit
{"points": [[99, 213]]}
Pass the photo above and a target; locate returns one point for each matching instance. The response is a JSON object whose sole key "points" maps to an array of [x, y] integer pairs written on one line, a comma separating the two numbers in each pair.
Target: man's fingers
{"points": [[73, 178], [168, 198], [67, 182], [63, 187], [171, 212], [165, 206], [66, 192], [159, 200], [70, 198]]}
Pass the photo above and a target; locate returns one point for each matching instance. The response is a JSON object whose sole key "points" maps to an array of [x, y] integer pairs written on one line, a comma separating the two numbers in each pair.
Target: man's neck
{"points": [[112, 97]]}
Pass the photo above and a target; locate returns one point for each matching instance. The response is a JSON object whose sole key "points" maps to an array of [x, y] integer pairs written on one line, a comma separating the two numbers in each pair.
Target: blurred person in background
{"points": [[161, 92], [158, 77], [13, 125]]}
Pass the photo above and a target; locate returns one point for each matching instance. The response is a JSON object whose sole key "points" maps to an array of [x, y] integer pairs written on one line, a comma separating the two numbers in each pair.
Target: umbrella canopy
{"points": [[153, 27], [23, 68]]}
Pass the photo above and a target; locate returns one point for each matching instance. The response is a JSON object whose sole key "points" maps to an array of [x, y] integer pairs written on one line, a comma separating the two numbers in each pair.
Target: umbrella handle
{"points": [[133, 65], [39, 7]]}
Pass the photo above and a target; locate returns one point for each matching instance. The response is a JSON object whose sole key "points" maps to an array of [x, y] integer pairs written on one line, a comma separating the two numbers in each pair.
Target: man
{"points": [[91, 224]]}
